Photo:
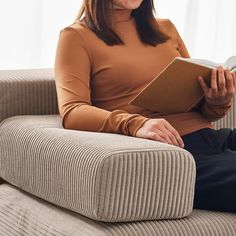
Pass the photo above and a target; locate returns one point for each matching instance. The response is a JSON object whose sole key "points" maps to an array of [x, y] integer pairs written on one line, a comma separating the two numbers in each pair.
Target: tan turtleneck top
{"points": [[95, 81]]}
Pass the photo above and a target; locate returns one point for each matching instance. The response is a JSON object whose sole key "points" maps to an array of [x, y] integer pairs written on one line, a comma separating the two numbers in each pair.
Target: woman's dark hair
{"points": [[96, 18]]}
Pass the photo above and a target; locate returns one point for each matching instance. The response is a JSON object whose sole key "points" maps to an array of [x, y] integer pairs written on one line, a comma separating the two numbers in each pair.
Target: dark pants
{"points": [[214, 152]]}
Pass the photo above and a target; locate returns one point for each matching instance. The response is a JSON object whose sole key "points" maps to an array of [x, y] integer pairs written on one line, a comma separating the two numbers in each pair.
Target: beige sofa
{"points": [[66, 182]]}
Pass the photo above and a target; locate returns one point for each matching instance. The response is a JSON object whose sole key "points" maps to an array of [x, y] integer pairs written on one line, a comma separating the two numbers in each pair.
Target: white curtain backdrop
{"points": [[206, 26], [30, 28]]}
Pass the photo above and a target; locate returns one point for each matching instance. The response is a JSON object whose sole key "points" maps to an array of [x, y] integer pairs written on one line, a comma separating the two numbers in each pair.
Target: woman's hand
{"points": [[160, 130], [223, 86]]}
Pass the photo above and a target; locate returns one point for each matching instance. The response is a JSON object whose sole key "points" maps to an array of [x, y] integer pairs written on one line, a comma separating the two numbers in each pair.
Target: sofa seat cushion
{"points": [[24, 214], [106, 177]]}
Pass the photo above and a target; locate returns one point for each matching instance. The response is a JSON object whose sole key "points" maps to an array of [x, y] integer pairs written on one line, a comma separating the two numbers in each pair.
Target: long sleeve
{"points": [[212, 112], [72, 72]]}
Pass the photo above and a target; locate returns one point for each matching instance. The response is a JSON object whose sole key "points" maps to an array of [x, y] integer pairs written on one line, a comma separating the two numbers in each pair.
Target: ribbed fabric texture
{"points": [[23, 214], [229, 121], [27, 92], [106, 177]]}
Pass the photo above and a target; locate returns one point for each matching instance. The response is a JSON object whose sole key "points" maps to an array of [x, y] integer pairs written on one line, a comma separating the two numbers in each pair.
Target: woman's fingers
{"points": [[234, 79], [167, 136], [203, 85], [223, 86], [156, 137], [160, 130], [173, 134], [214, 87], [229, 81], [221, 79], [164, 136]]}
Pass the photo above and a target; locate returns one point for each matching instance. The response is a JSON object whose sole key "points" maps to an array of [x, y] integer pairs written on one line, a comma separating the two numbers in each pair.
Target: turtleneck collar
{"points": [[120, 15]]}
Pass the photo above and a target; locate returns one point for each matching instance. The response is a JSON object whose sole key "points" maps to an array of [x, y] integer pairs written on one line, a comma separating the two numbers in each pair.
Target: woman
{"points": [[106, 58]]}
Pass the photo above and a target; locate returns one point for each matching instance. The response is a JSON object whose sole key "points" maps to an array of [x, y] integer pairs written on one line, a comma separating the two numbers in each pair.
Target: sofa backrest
{"points": [[27, 92]]}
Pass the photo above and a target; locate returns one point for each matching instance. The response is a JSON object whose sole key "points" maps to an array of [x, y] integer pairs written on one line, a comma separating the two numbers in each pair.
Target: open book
{"points": [[176, 89]]}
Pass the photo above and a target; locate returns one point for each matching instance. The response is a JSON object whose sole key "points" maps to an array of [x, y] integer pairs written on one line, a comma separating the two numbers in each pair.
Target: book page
{"points": [[203, 62], [231, 63]]}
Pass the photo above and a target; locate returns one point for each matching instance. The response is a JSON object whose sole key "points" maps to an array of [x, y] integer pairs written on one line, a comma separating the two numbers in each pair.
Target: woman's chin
{"points": [[134, 4], [129, 5]]}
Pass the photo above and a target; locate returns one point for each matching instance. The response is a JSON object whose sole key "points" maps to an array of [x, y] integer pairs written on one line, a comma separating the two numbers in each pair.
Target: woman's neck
{"points": [[119, 14]]}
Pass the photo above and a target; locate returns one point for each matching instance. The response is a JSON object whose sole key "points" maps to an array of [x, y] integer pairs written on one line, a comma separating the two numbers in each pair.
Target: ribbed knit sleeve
{"points": [[214, 112], [72, 72]]}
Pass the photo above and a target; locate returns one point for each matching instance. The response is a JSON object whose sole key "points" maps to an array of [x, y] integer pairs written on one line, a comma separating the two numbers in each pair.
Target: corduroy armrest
{"points": [[229, 121], [106, 177], [27, 92]]}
